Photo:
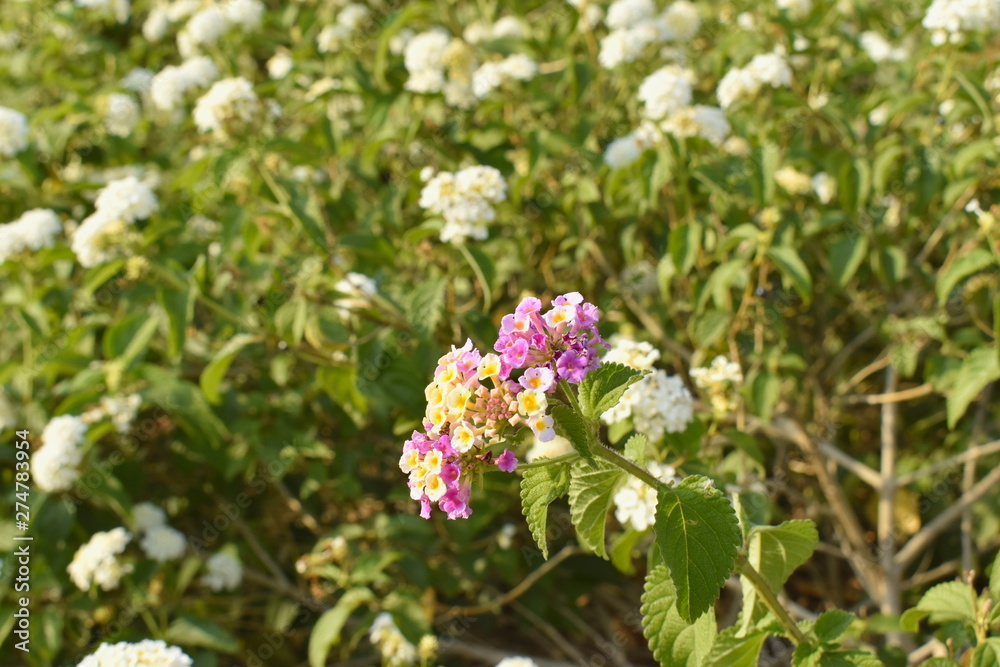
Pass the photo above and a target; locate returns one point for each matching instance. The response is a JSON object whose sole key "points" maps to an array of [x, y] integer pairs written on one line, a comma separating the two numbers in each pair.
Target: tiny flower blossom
{"points": [[635, 502], [719, 381], [390, 642], [13, 132], [147, 653], [225, 572], [95, 562], [56, 465]]}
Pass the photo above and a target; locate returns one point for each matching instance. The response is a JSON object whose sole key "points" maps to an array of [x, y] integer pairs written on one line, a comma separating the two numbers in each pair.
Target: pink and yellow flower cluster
{"points": [[474, 398]]}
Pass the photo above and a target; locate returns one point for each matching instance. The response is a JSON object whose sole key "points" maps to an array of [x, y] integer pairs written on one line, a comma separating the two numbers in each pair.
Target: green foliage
{"points": [[602, 389], [326, 633], [775, 552], [539, 487], [591, 487], [672, 639], [698, 535]]}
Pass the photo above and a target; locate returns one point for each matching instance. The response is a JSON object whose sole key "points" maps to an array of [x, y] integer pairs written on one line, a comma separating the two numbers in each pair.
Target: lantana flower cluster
{"points": [[635, 24], [464, 199], [474, 398], [34, 230], [719, 383]]}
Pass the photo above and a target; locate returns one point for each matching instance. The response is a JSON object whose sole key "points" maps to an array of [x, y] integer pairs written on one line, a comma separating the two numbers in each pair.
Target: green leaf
{"points": [[426, 306], [846, 255], [766, 392], [986, 654], [179, 307], [216, 369], [979, 369], [910, 620], [635, 449], [732, 651], [832, 624], [484, 269], [994, 587], [621, 550], [539, 487], [306, 211], [967, 264], [591, 488], [950, 601], [602, 389], [192, 631], [698, 535], [568, 424], [326, 632], [685, 241], [775, 552], [186, 404], [139, 342], [941, 662], [673, 640], [794, 269]]}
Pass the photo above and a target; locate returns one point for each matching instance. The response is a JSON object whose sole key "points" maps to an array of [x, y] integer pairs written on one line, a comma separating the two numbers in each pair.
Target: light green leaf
{"points": [[426, 306], [846, 255], [591, 488], [621, 550], [570, 425], [832, 624], [484, 269], [977, 370], [732, 651], [635, 449], [685, 241], [326, 632], [192, 631], [539, 487], [673, 640], [698, 535], [950, 601], [602, 389], [216, 369], [775, 552], [179, 307], [967, 264], [995, 581], [766, 392], [986, 654], [794, 269], [910, 620], [306, 210]]}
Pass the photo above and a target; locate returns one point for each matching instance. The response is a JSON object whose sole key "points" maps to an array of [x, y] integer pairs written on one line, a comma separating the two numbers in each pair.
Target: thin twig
{"points": [[892, 600], [873, 367], [848, 462], [972, 453], [307, 519], [514, 593], [261, 552], [880, 399], [928, 533]]}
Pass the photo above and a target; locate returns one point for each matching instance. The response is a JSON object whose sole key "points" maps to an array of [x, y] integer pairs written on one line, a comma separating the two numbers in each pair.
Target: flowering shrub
{"points": [[250, 248]]}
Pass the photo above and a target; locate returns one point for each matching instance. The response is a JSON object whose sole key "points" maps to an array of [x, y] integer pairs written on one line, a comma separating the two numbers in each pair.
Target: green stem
{"points": [[755, 578], [541, 463]]}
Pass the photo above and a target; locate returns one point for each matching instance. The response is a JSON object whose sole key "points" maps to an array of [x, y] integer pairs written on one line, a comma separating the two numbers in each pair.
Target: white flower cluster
{"points": [[168, 86], [121, 410], [949, 20], [492, 75], [634, 25], [227, 101], [121, 114], [796, 8], [793, 181], [358, 288], [666, 95], [138, 80], [639, 355], [465, 200], [657, 404], [880, 50], [118, 205], [507, 27], [160, 542], [95, 562], [591, 14], [550, 449], [824, 186], [743, 83], [34, 230], [225, 572], [437, 62], [635, 501], [396, 649], [56, 465], [334, 36], [718, 381], [13, 132], [147, 653], [120, 9], [207, 25], [517, 662], [279, 65]]}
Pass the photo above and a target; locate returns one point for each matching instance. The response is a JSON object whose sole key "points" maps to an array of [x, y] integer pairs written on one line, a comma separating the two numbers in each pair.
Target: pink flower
{"points": [[507, 462]]}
